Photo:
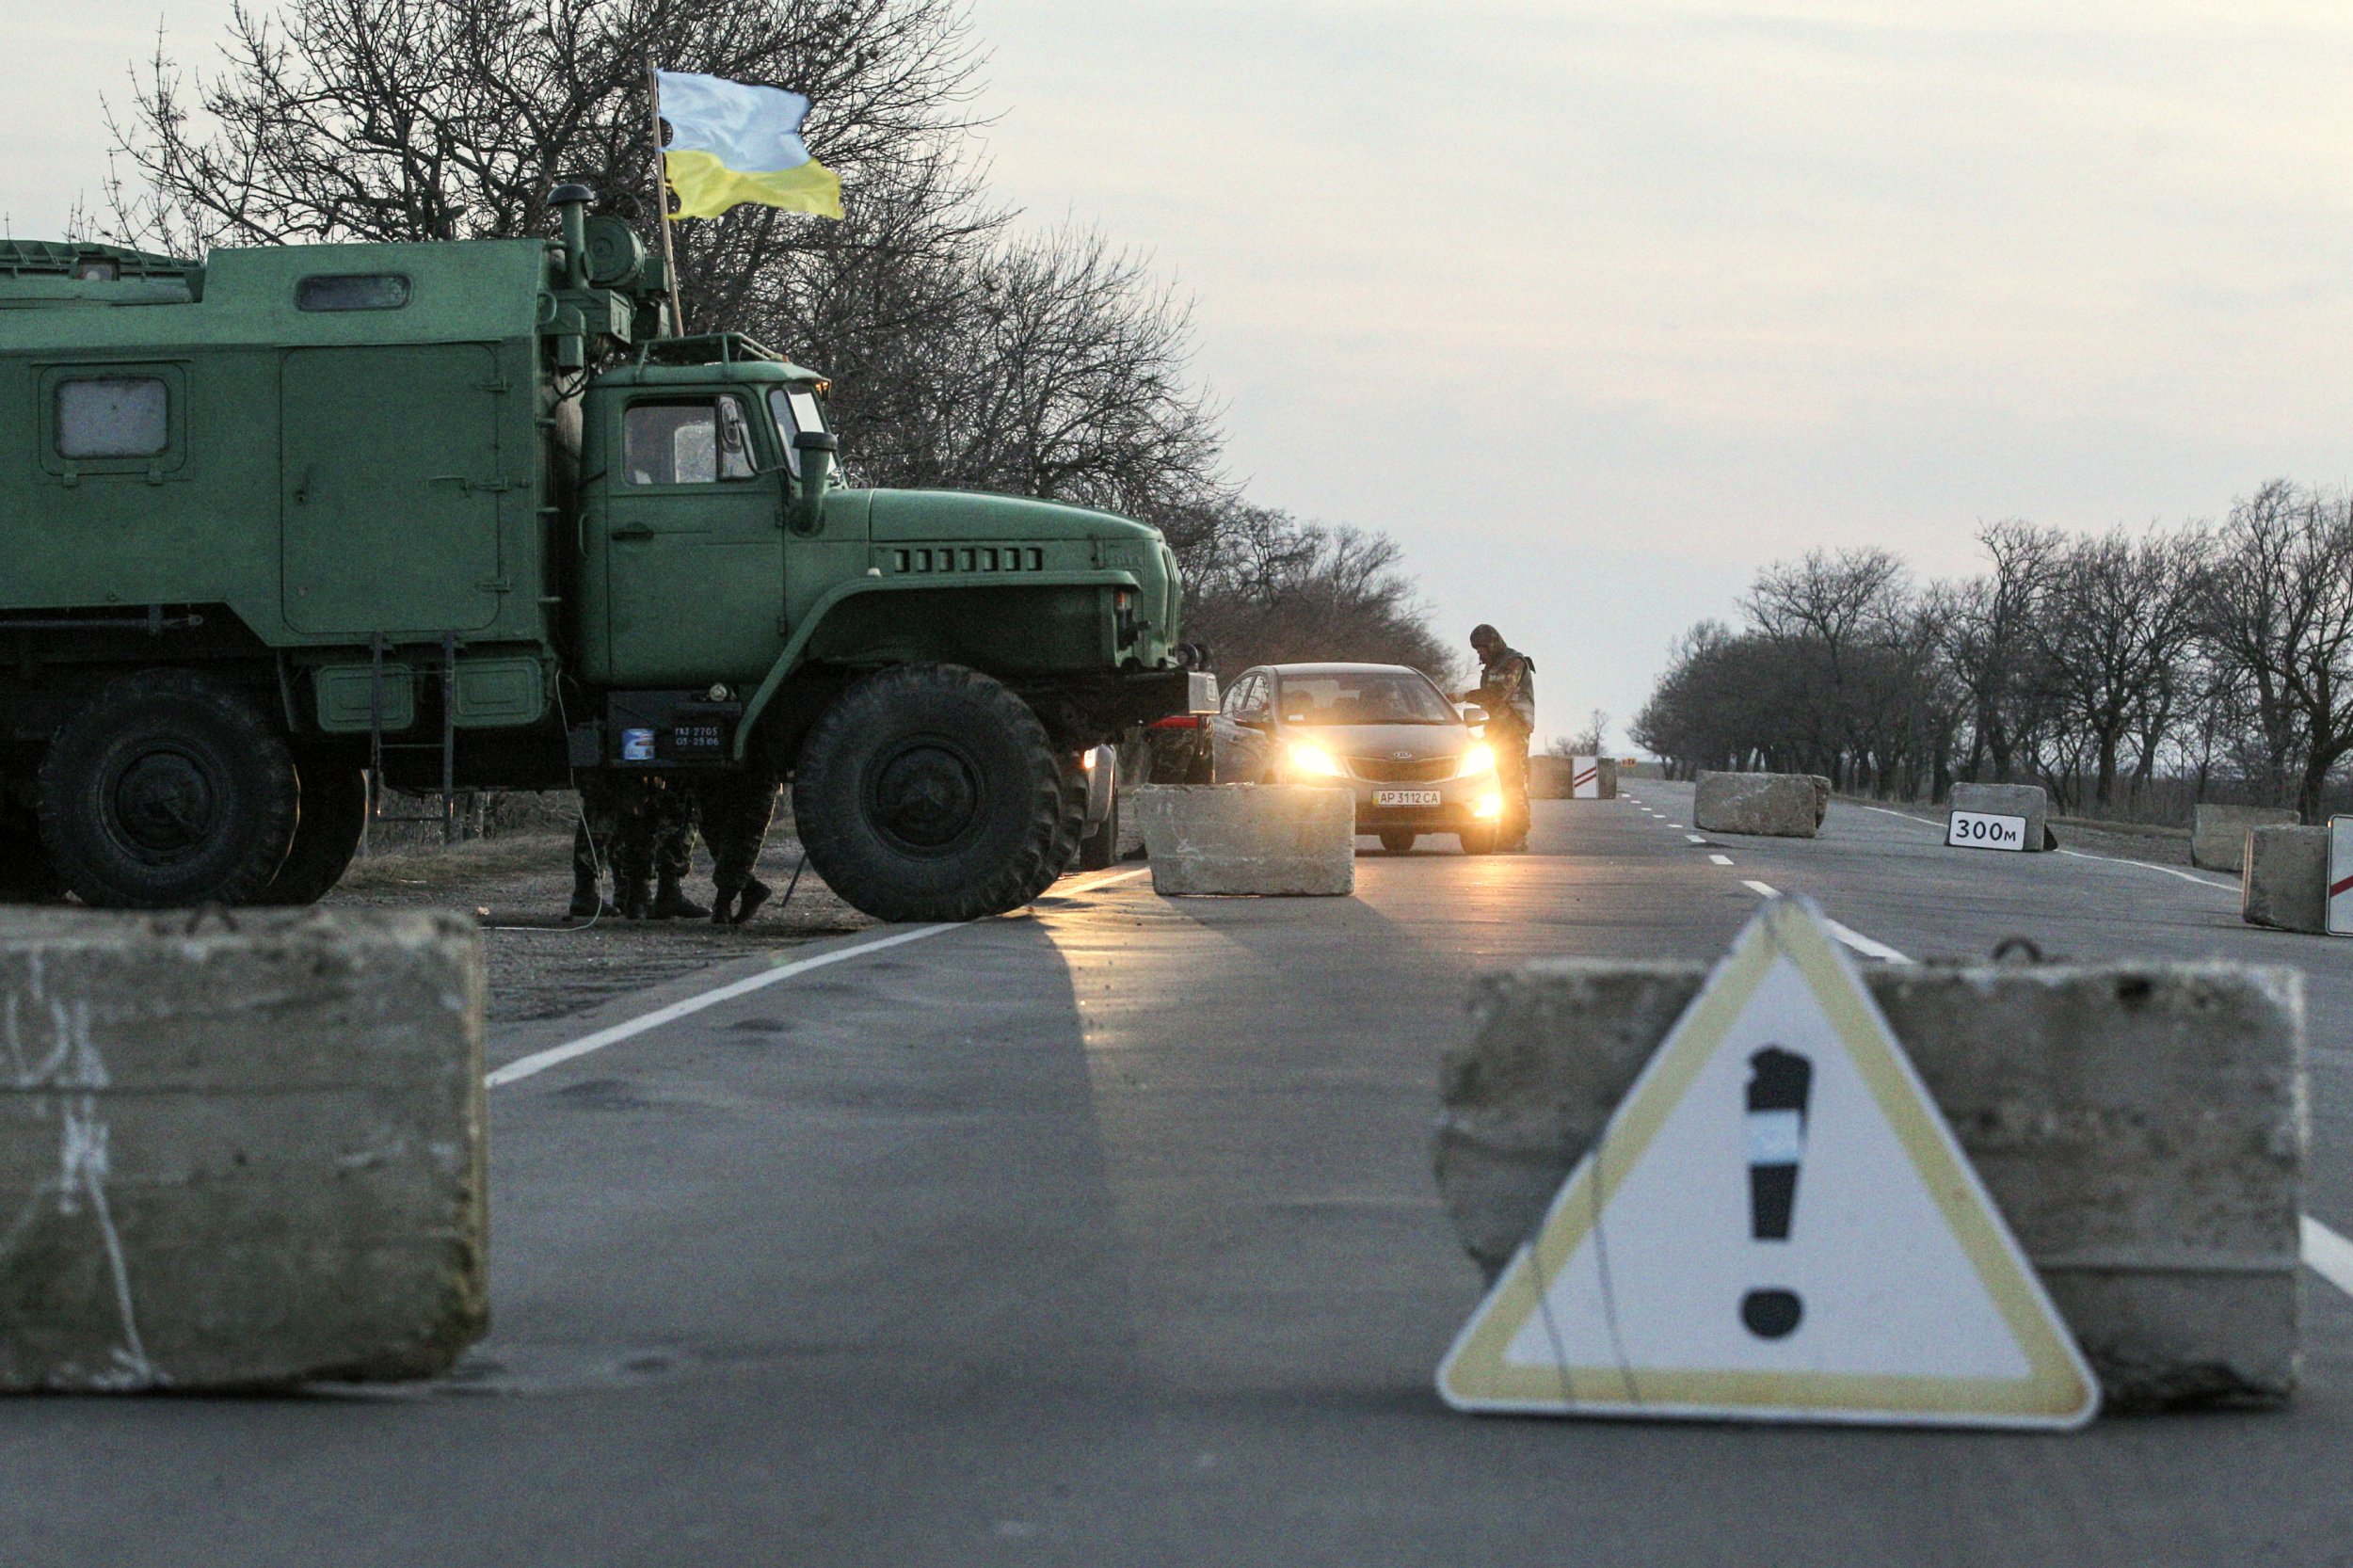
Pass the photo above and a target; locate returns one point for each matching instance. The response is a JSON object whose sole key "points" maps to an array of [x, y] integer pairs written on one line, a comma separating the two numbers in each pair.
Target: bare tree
{"points": [[2114, 625], [2278, 622]]}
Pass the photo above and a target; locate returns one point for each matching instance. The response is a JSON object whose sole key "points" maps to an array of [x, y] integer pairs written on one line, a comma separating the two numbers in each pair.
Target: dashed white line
{"points": [[1696, 838], [2329, 1255], [1721, 859], [1869, 946], [2147, 866], [1762, 890]]}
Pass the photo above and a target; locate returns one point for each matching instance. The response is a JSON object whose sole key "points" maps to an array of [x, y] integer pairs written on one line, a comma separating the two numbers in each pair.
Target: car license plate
{"points": [[1405, 797]]}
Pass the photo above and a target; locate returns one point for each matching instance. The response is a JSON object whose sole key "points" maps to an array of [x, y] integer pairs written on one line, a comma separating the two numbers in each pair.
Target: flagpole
{"points": [[662, 198]]}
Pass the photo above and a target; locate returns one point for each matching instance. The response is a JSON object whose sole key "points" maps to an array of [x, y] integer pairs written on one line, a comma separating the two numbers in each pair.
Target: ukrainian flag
{"points": [[730, 143]]}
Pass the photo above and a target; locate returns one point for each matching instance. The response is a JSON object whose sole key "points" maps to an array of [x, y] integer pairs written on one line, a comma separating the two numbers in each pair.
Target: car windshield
{"points": [[1375, 696]]}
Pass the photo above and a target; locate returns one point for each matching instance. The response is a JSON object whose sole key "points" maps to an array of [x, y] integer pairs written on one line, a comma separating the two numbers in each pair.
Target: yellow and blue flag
{"points": [[733, 143]]}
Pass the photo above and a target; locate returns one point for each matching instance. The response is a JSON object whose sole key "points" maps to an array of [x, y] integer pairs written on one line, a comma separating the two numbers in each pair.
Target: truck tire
{"points": [[27, 875], [167, 790], [326, 837], [932, 792]]}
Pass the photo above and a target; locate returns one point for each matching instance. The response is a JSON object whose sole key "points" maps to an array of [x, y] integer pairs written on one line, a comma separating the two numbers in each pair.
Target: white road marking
{"points": [[1696, 838], [1762, 890], [2144, 865], [1869, 946], [2329, 1255], [1722, 859], [539, 1062], [1907, 816]]}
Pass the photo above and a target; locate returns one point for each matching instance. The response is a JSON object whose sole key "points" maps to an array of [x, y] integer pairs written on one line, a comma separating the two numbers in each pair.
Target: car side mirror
{"points": [[816, 448], [1473, 714]]}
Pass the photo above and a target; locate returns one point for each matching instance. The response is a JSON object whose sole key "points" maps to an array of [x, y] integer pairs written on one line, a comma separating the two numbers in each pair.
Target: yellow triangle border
{"points": [[2058, 1392]]}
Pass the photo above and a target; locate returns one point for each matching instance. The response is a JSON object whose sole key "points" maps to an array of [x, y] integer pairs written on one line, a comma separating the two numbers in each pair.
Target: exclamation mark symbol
{"points": [[1780, 1082]]}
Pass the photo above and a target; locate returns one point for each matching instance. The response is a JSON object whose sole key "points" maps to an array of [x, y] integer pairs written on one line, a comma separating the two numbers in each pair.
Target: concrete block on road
{"points": [[1551, 778], [1776, 805], [239, 1156], [2140, 1127], [2031, 801], [1270, 839], [2218, 834], [2285, 884]]}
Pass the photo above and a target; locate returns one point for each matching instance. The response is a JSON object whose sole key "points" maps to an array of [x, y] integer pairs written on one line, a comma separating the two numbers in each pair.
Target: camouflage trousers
{"points": [[1509, 742], [638, 825], [736, 810]]}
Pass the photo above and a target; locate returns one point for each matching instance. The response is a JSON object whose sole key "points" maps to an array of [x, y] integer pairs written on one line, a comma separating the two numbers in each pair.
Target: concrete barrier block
{"points": [[1271, 840], [1551, 778], [2031, 801], [1821, 797], [1778, 804], [239, 1156], [2285, 885], [2217, 834], [2141, 1126]]}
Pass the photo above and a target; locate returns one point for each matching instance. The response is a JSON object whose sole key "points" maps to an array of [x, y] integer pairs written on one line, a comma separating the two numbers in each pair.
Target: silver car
{"points": [[1384, 730]]}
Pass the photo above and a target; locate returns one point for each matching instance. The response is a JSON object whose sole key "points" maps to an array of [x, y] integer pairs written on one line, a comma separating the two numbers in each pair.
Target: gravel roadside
{"points": [[542, 963]]}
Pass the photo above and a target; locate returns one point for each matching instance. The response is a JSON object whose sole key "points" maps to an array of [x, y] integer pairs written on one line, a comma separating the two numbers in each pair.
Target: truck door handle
{"points": [[632, 530]]}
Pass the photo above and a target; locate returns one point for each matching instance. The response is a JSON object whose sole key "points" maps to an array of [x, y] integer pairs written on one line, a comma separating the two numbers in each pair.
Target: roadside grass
{"points": [[446, 866]]}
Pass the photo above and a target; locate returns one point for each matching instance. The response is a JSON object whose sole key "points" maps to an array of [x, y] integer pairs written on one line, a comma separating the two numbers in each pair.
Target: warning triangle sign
{"points": [[1776, 1223]]}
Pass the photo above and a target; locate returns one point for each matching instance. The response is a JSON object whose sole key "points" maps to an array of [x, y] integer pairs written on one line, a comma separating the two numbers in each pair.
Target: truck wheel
{"points": [[326, 835], [1399, 840], [167, 790], [27, 875], [931, 792]]}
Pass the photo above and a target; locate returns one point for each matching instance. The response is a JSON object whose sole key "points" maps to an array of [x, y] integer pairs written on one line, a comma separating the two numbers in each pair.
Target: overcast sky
{"points": [[1600, 307]]}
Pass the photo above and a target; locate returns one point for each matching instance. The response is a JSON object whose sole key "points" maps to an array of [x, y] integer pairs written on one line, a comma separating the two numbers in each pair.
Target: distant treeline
{"points": [[2128, 674]]}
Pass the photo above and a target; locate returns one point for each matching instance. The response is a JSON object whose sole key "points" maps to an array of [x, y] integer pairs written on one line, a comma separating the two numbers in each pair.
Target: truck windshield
{"points": [[1374, 697], [794, 410]]}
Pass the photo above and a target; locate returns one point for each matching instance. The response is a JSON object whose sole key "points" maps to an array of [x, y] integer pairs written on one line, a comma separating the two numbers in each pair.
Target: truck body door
{"points": [[692, 525], [390, 486]]}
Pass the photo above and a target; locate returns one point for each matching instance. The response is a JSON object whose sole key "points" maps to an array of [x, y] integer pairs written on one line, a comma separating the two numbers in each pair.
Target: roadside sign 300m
{"points": [[1985, 830]]}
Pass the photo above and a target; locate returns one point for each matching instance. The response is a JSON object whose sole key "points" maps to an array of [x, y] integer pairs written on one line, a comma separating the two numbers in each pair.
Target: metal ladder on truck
{"points": [[446, 745]]}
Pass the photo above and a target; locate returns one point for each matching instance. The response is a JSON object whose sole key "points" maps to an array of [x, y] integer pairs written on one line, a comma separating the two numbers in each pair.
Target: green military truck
{"points": [[471, 515]]}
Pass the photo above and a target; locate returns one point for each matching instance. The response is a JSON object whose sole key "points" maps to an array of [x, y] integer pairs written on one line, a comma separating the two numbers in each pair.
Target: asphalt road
{"points": [[1105, 1235]]}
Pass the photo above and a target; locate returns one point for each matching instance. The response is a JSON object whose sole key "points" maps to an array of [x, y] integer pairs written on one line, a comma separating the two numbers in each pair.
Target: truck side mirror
{"points": [[816, 448]]}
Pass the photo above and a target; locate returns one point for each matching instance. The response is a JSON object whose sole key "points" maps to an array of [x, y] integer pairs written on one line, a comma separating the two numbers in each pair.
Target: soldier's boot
{"points": [[634, 897], [586, 902], [670, 902], [755, 894]]}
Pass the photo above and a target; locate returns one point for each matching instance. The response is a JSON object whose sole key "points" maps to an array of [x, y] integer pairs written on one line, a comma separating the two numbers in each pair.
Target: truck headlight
{"points": [[1316, 761], [1478, 759]]}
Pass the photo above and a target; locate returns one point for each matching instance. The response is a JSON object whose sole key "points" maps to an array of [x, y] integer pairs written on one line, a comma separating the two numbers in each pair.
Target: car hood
{"points": [[1414, 742]]}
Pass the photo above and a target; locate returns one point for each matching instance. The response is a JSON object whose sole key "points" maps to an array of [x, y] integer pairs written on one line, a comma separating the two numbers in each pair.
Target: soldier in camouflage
{"points": [[736, 810], [1507, 690], [643, 826]]}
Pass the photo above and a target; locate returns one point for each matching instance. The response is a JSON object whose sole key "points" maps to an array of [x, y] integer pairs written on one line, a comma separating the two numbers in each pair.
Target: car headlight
{"points": [[1315, 760], [1478, 759], [1488, 805]]}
